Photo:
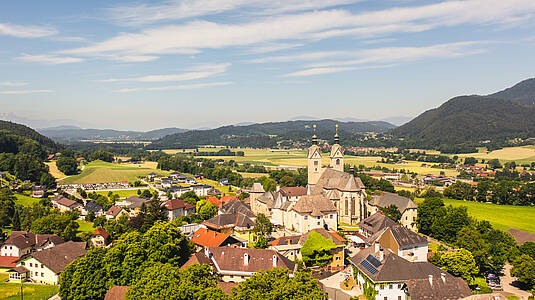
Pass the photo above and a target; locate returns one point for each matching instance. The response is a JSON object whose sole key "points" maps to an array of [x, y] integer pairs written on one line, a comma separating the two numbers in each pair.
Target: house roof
{"points": [[334, 179], [267, 198], [314, 204], [237, 206], [101, 231], [114, 211], [406, 237], [286, 240], [25, 239], [197, 258], [376, 223], [214, 200], [293, 191], [227, 286], [209, 238], [20, 269], [521, 236], [444, 287], [92, 206], [226, 199], [136, 201], [116, 293], [257, 188], [58, 257], [232, 259], [229, 221], [42, 239], [386, 199], [8, 261], [177, 204], [59, 199]]}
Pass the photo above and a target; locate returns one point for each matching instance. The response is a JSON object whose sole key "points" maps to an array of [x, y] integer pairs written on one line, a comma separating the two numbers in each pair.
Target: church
{"points": [[331, 195]]}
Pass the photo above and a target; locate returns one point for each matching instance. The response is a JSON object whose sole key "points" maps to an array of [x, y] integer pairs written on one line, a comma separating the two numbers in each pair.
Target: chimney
{"points": [[381, 254], [376, 246], [275, 258], [443, 276], [431, 279], [246, 259], [278, 188]]}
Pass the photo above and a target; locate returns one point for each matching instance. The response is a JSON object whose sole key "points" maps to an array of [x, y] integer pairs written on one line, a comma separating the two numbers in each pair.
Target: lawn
{"points": [[501, 217], [85, 226], [123, 193], [26, 200], [30, 291], [100, 172], [53, 170]]}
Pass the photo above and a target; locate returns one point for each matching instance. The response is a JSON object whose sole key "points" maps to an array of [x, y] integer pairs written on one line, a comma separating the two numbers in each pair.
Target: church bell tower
{"points": [[337, 154], [314, 160]]}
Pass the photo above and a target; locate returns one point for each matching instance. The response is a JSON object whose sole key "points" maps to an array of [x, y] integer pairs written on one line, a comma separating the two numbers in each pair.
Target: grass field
{"points": [[11, 291], [501, 217], [100, 172], [123, 194], [521, 155], [26, 200], [85, 226], [53, 170]]}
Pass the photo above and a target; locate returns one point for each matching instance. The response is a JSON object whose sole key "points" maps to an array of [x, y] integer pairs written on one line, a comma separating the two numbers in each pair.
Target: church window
{"points": [[315, 162], [347, 206], [338, 161], [353, 206]]}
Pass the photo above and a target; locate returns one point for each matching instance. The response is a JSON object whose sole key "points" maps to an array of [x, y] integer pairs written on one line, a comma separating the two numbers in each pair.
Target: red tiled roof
{"points": [[101, 231], [227, 287], [294, 191], [216, 202], [226, 199], [114, 211], [209, 238], [8, 261], [176, 204]]}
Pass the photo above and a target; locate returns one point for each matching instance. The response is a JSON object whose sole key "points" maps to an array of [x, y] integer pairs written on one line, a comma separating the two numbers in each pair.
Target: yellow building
{"points": [[236, 224]]}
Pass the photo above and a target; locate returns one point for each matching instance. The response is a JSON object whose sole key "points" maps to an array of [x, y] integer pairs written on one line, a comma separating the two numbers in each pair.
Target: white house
{"points": [[177, 208], [21, 243]]}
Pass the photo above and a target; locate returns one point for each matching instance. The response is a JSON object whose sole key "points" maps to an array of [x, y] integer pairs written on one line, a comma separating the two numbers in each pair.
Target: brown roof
{"points": [[197, 258], [333, 179], [286, 240], [8, 261], [229, 221], [101, 231], [314, 203], [116, 293], [136, 201], [64, 201], [376, 223], [20, 269], [387, 199], [236, 206], [58, 257], [42, 239], [25, 239], [177, 204], [438, 288], [209, 238], [293, 191], [406, 237], [232, 259], [114, 211], [521, 236], [227, 286], [331, 235]]}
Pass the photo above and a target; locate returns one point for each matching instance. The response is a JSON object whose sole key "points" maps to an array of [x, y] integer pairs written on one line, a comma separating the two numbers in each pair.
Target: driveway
{"points": [[507, 280], [333, 283]]}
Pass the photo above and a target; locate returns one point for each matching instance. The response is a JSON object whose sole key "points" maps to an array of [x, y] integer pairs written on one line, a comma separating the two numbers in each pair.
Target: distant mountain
{"points": [[269, 134], [523, 92], [26, 133], [398, 120], [73, 133], [42, 123]]}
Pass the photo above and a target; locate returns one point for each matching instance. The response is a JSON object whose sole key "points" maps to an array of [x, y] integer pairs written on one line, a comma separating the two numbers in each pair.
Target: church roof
{"points": [[313, 149], [257, 188], [387, 199], [342, 181], [335, 148], [314, 204], [333, 195], [267, 198]]}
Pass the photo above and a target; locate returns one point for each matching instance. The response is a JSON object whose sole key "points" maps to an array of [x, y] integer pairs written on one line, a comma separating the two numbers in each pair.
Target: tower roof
{"points": [[314, 137], [336, 136]]}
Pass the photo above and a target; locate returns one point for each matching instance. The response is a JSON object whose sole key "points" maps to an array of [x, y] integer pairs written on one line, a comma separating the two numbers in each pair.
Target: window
{"points": [[31, 265], [338, 258], [316, 163], [332, 216], [42, 274], [318, 223], [338, 162], [42, 266], [386, 298], [390, 286], [399, 297], [306, 217]]}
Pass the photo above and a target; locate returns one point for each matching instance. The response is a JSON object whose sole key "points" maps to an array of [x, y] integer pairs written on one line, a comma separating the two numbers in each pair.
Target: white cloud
{"points": [[328, 70], [22, 92], [272, 47], [21, 31], [307, 26], [301, 56], [12, 83], [133, 15], [203, 71], [175, 87], [50, 59]]}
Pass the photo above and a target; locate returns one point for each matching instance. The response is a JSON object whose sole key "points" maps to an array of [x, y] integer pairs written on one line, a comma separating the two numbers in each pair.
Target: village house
{"points": [[234, 206], [92, 206], [238, 264], [45, 266], [236, 224], [292, 193], [311, 212], [393, 277], [407, 207], [176, 208], [38, 191], [65, 204], [100, 238], [21, 243], [114, 212], [134, 203], [223, 182], [204, 237]]}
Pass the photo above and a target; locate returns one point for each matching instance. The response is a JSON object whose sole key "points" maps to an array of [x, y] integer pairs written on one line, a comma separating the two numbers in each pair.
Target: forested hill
{"points": [[269, 134], [523, 92], [24, 132], [72, 133], [470, 119]]}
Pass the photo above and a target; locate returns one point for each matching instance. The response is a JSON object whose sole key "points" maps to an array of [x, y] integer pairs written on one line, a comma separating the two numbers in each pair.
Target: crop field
{"points": [[501, 217], [53, 170], [11, 291], [521, 155], [101, 172]]}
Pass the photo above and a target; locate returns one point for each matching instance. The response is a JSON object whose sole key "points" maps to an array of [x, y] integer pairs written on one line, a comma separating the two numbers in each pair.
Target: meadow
{"points": [[25, 200], [101, 172], [521, 154], [501, 217], [54, 171], [11, 291]]}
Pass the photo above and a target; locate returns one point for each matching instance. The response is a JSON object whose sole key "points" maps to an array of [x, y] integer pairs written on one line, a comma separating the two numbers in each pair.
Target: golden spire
{"points": [[336, 137], [314, 137]]}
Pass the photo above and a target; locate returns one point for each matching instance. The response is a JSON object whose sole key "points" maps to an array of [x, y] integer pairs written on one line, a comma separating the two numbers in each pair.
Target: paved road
{"points": [[506, 281], [335, 280]]}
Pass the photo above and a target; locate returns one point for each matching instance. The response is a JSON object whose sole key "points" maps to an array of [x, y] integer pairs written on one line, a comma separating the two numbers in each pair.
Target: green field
{"points": [[101, 172], [11, 291], [85, 226], [26, 200], [521, 154], [501, 217], [123, 193]]}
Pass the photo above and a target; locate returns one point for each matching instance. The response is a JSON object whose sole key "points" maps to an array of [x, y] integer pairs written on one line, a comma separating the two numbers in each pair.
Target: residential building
{"points": [[204, 237], [21, 243], [65, 204], [292, 193], [100, 238], [114, 212], [236, 224], [45, 266], [374, 223], [238, 264], [92, 206], [407, 207], [134, 203], [176, 208], [38, 191], [236, 206], [310, 212], [394, 277]]}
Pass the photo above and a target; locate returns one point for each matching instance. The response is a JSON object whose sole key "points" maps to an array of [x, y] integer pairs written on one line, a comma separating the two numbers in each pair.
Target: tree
{"points": [[7, 206], [317, 249], [287, 181], [205, 209], [278, 284], [392, 212], [524, 270], [48, 180], [269, 185], [262, 225], [243, 195], [165, 281], [494, 163], [85, 277], [261, 243], [67, 165], [59, 224], [470, 161], [190, 197], [460, 263], [146, 194], [528, 248]]}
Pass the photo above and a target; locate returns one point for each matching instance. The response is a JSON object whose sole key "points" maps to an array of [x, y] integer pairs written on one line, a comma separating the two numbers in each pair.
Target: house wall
{"points": [[246, 235], [338, 257], [39, 272], [12, 250], [390, 291], [98, 241], [305, 222], [419, 252], [234, 278], [175, 213], [387, 241], [408, 219]]}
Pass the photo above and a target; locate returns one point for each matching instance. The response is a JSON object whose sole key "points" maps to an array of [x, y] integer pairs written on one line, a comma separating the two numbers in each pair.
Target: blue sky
{"points": [[151, 64]]}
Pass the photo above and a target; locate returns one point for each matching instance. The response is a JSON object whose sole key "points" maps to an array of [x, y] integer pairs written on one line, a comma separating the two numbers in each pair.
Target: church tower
{"points": [[337, 154], [314, 160]]}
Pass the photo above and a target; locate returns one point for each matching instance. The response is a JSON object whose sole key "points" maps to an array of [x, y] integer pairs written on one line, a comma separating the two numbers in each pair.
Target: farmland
{"points": [[11, 291], [101, 172], [54, 171], [521, 155]]}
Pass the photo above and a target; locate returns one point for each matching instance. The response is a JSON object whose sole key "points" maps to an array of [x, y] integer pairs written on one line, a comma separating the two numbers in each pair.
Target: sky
{"points": [[142, 65]]}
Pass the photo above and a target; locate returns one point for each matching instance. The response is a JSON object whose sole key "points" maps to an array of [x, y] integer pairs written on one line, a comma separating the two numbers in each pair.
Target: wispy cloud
{"points": [[50, 59], [13, 83], [22, 92], [202, 71], [328, 70], [175, 87], [134, 15], [273, 47], [22, 31]]}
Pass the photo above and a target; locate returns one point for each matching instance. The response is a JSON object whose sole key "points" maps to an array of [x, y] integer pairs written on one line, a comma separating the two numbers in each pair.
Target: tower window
{"points": [[338, 162], [316, 163]]}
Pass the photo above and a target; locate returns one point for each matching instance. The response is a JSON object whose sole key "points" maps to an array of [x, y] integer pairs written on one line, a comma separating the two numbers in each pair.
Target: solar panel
{"points": [[366, 264], [374, 261]]}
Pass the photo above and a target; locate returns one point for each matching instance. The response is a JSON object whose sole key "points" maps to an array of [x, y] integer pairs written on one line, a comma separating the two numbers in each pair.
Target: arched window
{"points": [[337, 161]]}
